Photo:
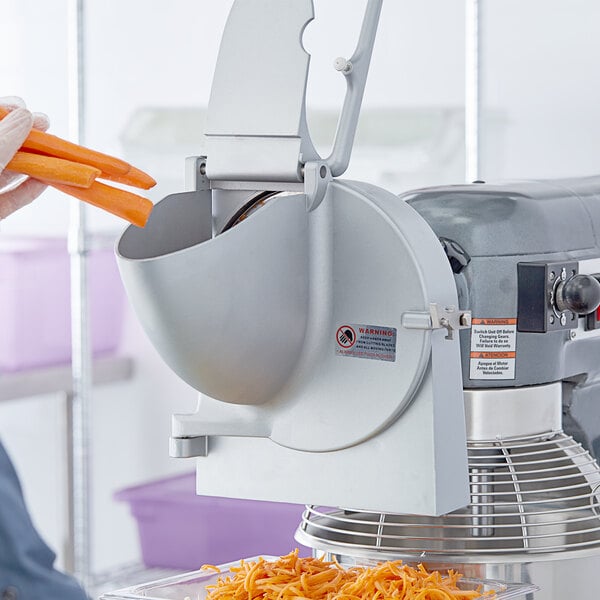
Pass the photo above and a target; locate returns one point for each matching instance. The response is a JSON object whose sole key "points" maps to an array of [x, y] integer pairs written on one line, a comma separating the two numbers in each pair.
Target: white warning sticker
{"points": [[493, 349], [366, 341]]}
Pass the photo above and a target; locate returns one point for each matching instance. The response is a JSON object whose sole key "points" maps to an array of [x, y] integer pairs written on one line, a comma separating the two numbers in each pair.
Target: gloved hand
{"points": [[14, 128]]}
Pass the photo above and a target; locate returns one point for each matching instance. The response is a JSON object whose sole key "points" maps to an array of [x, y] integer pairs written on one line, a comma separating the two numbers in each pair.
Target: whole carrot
{"points": [[53, 170], [46, 143], [134, 177], [135, 209]]}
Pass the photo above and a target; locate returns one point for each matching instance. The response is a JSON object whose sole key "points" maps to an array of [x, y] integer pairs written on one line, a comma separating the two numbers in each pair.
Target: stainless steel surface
{"points": [[79, 503], [536, 496], [512, 412]]}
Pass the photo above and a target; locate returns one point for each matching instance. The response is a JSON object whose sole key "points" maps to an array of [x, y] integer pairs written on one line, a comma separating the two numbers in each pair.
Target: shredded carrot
{"points": [[53, 170], [134, 177], [210, 568], [295, 578], [135, 209]]}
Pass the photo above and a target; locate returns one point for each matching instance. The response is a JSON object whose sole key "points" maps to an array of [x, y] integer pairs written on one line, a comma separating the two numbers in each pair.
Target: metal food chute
{"points": [[326, 324]]}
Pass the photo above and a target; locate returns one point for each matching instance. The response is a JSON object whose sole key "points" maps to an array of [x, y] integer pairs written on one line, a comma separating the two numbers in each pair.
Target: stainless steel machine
{"points": [[406, 362]]}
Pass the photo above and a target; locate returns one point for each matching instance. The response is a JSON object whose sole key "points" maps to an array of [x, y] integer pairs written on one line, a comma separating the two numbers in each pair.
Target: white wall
{"points": [[540, 64]]}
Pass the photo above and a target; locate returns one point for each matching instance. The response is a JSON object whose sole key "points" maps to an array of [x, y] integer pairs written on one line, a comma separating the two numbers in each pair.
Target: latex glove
{"points": [[14, 128]]}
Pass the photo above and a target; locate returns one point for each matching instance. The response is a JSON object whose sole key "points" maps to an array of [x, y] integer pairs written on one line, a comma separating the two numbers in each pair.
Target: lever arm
{"points": [[355, 71]]}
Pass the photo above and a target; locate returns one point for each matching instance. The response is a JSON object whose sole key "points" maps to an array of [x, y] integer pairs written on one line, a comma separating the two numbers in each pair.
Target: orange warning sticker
{"points": [[493, 354], [493, 348], [494, 321]]}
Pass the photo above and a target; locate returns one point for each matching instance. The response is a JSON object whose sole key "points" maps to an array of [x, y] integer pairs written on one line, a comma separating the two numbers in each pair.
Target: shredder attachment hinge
{"points": [[188, 447], [448, 317]]}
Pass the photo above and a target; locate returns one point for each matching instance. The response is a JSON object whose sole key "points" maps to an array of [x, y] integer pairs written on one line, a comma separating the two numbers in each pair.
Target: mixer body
{"points": [[530, 375]]}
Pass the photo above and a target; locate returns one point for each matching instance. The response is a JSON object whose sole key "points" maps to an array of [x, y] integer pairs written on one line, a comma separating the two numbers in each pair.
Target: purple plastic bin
{"points": [[35, 303], [181, 530]]}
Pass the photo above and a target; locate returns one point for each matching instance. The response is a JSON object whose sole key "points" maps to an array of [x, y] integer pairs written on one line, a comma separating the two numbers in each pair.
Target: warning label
{"points": [[493, 348], [366, 341]]}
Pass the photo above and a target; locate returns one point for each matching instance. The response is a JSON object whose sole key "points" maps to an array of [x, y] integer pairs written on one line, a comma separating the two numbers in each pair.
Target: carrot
{"points": [[294, 578], [46, 143], [134, 177], [135, 209], [53, 170]]}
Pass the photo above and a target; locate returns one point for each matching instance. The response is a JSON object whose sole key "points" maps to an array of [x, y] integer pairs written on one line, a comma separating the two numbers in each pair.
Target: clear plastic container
{"points": [[191, 586]]}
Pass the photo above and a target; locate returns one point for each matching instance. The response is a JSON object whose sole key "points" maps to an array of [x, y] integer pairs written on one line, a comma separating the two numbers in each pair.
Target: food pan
{"points": [[191, 586]]}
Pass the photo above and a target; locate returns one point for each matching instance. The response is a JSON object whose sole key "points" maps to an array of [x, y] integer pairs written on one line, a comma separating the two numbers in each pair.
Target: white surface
{"points": [[543, 57]]}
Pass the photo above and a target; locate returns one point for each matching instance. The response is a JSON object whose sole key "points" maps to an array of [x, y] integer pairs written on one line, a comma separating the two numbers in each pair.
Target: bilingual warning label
{"points": [[366, 341], [493, 349]]}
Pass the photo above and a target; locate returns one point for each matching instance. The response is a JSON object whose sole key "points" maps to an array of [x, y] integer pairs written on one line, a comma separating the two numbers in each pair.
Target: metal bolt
{"points": [[563, 319], [551, 319], [563, 274], [572, 334], [342, 65], [552, 276]]}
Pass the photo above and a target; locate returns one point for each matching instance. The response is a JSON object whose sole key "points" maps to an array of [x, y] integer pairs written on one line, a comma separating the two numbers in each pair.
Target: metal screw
{"points": [[563, 274], [552, 276], [551, 319], [572, 334], [343, 65], [563, 319], [323, 171]]}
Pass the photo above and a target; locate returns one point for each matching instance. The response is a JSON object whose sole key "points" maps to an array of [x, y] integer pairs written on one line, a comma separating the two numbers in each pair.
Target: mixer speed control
{"points": [[579, 294], [551, 294]]}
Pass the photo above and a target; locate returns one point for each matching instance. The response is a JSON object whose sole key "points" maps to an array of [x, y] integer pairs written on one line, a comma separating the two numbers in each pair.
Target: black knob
{"points": [[456, 254], [579, 294]]}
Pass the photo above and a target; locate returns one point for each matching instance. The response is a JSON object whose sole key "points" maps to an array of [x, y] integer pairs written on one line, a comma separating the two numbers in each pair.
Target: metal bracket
{"points": [[188, 447], [317, 176], [195, 174], [449, 318]]}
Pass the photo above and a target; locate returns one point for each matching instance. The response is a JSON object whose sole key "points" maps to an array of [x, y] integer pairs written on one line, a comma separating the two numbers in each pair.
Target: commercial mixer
{"points": [[327, 324]]}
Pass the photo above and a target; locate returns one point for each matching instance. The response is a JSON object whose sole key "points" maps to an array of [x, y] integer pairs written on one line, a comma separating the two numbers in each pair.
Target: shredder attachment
{"points": [[322, 328], [310, 336]]}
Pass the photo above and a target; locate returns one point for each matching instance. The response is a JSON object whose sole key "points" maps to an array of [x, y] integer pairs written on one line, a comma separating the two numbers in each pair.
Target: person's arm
{"points": [[14, 128]]}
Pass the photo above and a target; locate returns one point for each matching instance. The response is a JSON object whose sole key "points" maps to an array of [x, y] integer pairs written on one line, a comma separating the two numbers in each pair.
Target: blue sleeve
{"points": [[26, 562]]}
